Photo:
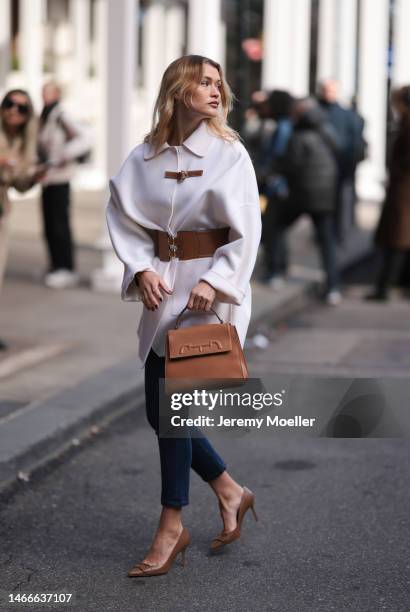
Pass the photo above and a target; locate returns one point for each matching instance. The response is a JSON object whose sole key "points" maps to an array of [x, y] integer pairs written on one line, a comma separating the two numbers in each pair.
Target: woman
{"points": [[17, 159], [191, 175], [393, 232]]}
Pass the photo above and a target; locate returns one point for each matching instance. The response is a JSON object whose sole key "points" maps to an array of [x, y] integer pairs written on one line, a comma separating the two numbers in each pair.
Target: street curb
{"points": [[45, 429], [51, 429]]}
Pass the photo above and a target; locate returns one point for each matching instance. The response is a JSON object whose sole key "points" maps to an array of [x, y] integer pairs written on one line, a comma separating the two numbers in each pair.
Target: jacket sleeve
{"points": [[131, 241], [79, 139], [294, 157], [238, 209]]}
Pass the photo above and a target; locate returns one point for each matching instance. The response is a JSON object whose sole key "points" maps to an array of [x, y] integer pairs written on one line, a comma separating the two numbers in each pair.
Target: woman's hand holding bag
{"points": [[202, 297]]}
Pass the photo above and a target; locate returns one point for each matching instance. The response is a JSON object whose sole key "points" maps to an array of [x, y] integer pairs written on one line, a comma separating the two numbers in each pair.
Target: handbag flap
{"points": [[199, 340]]}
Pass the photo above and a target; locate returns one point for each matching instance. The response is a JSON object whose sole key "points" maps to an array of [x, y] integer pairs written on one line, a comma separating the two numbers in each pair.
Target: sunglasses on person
{"points": [[23, 109]]}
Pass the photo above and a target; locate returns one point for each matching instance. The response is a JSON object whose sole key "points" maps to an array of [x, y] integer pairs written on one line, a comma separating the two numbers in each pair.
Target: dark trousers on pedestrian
{"points": [[56, 226], [392, 264], [323, 223], [344, 214], [275, 255], [177, 455]]}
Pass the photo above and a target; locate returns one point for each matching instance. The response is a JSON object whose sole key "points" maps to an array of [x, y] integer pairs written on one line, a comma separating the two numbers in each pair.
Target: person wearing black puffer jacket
{"points": [[310, 167]]}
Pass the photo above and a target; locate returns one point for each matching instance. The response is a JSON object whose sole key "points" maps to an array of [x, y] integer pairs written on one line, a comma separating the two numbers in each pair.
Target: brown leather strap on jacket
{"points": [[183, 174], [189, 244]]}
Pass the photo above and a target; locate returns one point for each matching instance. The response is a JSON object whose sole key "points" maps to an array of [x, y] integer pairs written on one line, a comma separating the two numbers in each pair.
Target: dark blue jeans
{"points": [[177, 455]]}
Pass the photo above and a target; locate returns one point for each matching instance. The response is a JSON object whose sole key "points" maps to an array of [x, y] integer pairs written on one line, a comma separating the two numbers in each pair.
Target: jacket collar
{"points": [[198, 142]]}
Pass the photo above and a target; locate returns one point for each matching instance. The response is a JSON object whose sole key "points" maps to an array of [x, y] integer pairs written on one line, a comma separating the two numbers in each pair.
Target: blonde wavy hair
{"points": [[180, 79]]}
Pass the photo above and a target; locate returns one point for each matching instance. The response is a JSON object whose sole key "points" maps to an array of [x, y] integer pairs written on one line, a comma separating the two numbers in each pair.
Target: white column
{"points": [[119, 89], [204, 29], [326, 52], [275, 45], [337, 44], [31, 46], [153, 53], [401, 44], [374, 25], [4, 43], [99, 48], [80, 19], [346, 69], [301, 47], [286, 41], [121, 66], [99, 54], [223, 35], [63, 44], [174, 32]]}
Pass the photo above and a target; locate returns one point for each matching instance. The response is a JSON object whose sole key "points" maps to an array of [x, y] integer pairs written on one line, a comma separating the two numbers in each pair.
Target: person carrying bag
{"points": [[184, 219]]}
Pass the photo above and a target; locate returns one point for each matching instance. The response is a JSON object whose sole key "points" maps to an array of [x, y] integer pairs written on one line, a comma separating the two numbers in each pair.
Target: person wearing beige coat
{"points": [[18, 143], [190, 180]]}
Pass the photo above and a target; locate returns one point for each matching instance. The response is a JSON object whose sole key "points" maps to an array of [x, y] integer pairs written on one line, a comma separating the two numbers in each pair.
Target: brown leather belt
{"points": [[189, 244], [183, 174]]}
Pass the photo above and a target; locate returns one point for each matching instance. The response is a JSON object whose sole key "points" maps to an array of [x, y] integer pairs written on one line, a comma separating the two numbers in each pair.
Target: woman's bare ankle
{"points": [[170, 522], [170, 531], [227, 490], [231, 497]]}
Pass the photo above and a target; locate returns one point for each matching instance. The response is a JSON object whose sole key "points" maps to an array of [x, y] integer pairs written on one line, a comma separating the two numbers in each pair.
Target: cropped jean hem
{"points": [[218, 473], [174, 503]]}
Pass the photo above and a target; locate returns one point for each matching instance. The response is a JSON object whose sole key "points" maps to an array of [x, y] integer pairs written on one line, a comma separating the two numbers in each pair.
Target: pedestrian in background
{"points": [[18, 135], [61, 141], [215, 203], [349, 129], [257, 131], [310, 167], [273, 184], [393, 231]]}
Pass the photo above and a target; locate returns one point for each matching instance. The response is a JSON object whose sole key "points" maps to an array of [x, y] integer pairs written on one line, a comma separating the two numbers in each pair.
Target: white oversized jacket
{"points": [[226, 195]]}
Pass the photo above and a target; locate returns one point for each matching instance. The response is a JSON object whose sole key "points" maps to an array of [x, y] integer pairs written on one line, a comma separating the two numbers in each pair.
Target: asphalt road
{"points": [[333, 527]]}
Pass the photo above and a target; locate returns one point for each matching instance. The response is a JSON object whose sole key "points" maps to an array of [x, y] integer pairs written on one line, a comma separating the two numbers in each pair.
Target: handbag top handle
{"points": [[185, 308]]}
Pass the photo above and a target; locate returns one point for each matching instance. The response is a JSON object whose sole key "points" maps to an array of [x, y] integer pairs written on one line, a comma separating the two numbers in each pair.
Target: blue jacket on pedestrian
{"points": [[275, 183], [347, 127]]}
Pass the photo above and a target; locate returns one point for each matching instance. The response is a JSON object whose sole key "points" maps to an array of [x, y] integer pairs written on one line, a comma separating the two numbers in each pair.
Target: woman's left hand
{"points": [[201, 297]]}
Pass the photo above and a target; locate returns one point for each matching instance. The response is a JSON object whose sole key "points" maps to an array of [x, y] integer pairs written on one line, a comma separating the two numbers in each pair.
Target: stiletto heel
{"points": [[183, 560], [145, 569], [224, 538]]}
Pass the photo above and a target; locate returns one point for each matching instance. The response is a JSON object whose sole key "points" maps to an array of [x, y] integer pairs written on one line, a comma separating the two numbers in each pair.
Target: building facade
{"points": [[109, 56]]}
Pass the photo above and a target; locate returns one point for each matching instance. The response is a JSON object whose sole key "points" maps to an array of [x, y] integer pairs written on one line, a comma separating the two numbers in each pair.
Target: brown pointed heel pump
{"points": [[145, 569], [224, 538]]}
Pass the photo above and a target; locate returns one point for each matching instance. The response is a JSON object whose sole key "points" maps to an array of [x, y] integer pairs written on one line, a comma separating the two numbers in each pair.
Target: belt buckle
{"points": [[172, 247], [182, 175]]}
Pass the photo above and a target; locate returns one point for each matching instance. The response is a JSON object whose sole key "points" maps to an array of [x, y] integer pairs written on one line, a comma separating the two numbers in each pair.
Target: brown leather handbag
{"points": [[203, 356]]}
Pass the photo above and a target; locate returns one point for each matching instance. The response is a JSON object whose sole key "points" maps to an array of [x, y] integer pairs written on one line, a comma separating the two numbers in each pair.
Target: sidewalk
{"points": [[73, 358]]}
